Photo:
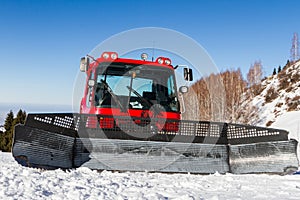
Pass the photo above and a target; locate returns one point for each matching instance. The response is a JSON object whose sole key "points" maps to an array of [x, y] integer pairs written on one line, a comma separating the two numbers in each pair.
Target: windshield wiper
{"points": [[113, 95], [145, 101]]}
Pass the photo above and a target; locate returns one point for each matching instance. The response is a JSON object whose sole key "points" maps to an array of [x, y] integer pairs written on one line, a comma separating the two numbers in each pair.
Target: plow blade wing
{"points": [[265, 157], [39, 148], [133, 144]]}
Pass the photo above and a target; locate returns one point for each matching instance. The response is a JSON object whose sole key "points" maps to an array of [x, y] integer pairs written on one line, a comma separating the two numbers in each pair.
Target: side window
{"points": [[171, 87], [89, 97]]}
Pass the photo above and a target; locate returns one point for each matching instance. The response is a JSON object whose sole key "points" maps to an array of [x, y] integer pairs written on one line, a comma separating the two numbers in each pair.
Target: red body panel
{"points": [[109, 122]]}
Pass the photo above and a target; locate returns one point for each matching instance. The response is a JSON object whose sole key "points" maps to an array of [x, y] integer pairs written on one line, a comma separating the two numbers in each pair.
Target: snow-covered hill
{"points": [[278, 103], [17, 182], [280, 94]]}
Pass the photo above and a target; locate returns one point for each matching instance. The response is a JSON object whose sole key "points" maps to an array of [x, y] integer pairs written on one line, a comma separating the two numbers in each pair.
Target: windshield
{"points": [[135, 87]]}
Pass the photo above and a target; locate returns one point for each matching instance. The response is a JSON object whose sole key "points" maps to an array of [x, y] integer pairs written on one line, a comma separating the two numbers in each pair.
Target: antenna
{"points": [[295, 48], [153, 51]]}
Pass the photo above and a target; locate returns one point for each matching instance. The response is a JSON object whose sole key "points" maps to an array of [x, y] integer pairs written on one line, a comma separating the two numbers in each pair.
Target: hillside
{"points": [[279, 94], [2, 129]]}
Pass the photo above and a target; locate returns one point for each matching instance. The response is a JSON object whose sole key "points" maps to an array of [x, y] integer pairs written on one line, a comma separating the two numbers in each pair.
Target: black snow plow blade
{"points": [[133, 144]]}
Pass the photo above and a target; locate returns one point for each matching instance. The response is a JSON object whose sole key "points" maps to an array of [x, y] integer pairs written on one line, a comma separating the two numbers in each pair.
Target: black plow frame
{"points": [[68, 140]]}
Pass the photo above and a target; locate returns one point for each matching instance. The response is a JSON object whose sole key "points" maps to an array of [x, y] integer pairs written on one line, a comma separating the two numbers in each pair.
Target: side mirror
{"points": [[84, 64], [188, 74], [183, 89]]}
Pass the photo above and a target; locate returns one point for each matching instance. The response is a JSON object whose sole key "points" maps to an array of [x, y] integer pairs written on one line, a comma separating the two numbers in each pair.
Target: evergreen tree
{"points": [[274, 71], [21, 116], [10, 122], [4, 138], [288, 63], [279, 69]]}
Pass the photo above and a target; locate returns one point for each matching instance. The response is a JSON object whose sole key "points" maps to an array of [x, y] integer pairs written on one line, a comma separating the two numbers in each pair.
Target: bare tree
{"points": [[216, 97], [235, 87], [254, 74], [254, 77]]}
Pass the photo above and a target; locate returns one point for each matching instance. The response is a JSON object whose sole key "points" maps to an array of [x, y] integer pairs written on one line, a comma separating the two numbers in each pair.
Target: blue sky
{"points": [[41, 42]]}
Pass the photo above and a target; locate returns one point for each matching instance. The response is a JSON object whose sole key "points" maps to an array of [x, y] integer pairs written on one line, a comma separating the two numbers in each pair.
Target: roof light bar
{"points": [[162, 60], [109, 55]]}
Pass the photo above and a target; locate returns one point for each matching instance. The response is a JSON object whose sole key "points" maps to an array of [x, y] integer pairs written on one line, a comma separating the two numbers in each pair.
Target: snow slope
{"points": [[286, 98], [282, 111], [289, 121], [17, 182]]}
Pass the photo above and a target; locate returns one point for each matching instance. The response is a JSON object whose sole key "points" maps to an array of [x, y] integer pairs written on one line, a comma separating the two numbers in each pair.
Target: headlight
{"points": [[160, 61], [167, 62], [183, 89], [144, 56], [105, 55], [114, 56]]}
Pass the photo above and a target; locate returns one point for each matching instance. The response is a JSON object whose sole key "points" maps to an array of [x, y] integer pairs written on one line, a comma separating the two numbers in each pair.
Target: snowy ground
{"points": [[18, 182]]}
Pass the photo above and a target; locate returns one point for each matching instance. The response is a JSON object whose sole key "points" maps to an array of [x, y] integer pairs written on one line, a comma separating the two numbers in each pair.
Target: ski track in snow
{"points": [[17, 182]]}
